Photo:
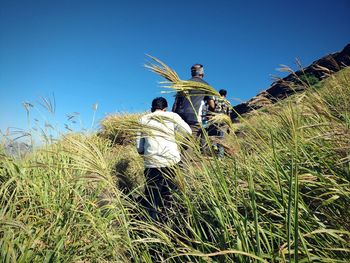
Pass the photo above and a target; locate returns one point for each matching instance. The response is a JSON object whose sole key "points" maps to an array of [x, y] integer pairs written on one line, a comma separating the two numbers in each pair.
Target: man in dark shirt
{"points": [[190, 107]]}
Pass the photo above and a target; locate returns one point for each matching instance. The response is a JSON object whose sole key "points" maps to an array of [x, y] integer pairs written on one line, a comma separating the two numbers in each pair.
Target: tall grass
{"points": [[281, 195]]}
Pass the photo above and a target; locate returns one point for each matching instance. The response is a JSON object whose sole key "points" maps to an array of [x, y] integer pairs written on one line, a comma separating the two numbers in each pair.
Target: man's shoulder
{"points": [[146, 116], [209, 97], [221, 99], [166, 114], [171, 114], [196, 79]]}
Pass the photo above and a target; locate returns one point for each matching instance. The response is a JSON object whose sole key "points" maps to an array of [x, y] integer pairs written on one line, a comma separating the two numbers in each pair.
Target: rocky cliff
{"points": [[296, 81]]}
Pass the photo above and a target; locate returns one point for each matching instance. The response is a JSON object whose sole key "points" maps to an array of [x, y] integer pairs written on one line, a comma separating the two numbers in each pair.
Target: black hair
{"points": [[197, 70], [223, 92], [159, 103]]}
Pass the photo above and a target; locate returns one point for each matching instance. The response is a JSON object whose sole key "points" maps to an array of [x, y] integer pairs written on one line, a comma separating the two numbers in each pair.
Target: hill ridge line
{"points": [[282, 88]]}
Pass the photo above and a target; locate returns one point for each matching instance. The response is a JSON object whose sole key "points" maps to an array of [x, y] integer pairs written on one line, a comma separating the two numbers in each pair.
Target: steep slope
{"points": [[296, 81]]}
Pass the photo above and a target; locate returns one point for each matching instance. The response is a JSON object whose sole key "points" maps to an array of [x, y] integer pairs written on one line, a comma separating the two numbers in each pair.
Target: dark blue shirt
{"points": [[191, 113]]}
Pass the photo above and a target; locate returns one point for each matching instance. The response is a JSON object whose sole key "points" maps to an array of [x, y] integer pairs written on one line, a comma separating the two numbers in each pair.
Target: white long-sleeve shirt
{"points": [[157, 140]]}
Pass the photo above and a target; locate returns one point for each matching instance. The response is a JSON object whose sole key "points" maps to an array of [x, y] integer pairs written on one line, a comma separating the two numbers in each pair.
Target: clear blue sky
{"points": [[88, 52]]}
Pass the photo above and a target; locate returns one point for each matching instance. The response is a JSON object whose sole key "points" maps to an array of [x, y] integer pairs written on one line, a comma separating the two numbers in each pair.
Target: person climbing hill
{"points": [[190, 107], [158, 146], [222, 106]]}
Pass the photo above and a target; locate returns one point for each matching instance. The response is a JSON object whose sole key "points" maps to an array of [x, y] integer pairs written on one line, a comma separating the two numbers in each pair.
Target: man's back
{"points": [[190, 108], [158, 140], [222, 105]]}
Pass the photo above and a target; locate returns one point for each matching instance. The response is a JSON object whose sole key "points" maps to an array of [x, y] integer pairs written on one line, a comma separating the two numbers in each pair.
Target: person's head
{"points": [[159, 103], [197, 70], [223, 92]]}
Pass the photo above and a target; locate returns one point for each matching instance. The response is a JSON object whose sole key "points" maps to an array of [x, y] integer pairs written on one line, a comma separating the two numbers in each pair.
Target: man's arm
{"points": [[175, 103], [229, 108], [179, 100], [140, 144], [140, 140], [209, 100], [211, 104], [181, 125]]}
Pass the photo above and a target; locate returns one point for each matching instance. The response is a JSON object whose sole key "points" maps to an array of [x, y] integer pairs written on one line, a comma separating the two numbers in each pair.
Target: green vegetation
{"points": [[282, 194], [310, 79]]}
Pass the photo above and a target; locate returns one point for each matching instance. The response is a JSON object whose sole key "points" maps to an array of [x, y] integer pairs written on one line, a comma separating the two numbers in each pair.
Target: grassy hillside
{"points": [[281, 195]]}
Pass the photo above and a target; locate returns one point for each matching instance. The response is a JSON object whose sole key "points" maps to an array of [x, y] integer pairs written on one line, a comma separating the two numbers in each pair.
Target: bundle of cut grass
{"points": [[121, 129]]}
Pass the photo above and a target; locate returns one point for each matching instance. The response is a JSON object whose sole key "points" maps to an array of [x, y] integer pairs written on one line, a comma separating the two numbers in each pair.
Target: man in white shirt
{"points": [[158, 146]]}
